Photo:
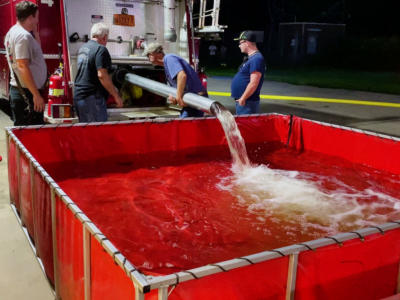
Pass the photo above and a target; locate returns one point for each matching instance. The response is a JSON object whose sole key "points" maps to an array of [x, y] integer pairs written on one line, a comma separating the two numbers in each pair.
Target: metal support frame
{"points": [[138, 294], [8, 139], [163, 293], [17, 197], [86, 263], [292, 275], [32, 176], [398, 281], [54, 237]]}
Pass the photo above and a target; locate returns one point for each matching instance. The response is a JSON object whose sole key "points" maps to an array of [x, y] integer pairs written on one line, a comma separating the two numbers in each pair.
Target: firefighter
{"points": [[93, 82], [246, 84], [180, 75], [27, 66]]}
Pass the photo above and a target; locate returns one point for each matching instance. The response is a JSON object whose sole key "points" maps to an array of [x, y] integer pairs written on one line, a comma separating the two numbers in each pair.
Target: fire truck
{"points": [[65, 25]]}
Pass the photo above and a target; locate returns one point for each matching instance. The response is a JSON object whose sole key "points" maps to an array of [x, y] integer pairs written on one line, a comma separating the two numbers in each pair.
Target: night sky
{"points": [[372, 27], [362, 17]]}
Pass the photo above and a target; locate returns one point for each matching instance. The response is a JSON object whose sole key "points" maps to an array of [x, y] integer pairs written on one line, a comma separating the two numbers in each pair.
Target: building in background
{"points": [[300, 41]]}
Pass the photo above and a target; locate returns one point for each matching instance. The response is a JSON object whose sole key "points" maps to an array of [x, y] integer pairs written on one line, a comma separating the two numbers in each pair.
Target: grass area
{"points": [[381, 82]]}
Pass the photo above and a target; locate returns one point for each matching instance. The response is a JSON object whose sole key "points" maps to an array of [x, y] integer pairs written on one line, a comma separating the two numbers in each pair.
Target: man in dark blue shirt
{"points": [[247, 83], [92, 82], [180, 75]]}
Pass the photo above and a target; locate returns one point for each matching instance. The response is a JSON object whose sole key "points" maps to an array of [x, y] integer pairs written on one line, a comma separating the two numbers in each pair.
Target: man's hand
{"points": [[180, 102], [27, 79], [118, 101], [177, 100], [172, 99], [106, 82], [38, 103], [241, 101]]}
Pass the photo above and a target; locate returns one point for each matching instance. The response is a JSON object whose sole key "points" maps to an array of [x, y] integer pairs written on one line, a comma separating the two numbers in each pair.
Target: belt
{"points": [[26, 89]]}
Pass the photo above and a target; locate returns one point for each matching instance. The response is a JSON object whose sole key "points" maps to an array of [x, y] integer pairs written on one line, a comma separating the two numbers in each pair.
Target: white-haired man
{"points": [[92, 82]]}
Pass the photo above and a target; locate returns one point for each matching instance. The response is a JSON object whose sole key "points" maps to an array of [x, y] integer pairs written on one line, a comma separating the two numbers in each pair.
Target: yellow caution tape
{"points": [[314, 99]]}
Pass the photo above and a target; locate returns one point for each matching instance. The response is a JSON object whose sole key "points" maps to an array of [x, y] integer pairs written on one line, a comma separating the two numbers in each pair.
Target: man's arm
{"points": [[180, 87], [106, 82], [251, 87], [181, 78], [27, 79]]}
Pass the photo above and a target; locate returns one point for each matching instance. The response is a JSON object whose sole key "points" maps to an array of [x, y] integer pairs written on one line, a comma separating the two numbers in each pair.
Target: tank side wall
{"points": [[357, 147]]}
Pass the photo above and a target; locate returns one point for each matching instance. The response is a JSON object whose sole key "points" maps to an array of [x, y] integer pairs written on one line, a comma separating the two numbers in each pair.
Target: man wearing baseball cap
{"points": [[180, 75], [246, 84]]}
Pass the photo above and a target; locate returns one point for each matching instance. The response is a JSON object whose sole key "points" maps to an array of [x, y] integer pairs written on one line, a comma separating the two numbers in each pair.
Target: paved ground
{"points": [[373, 118], [20, 274]]}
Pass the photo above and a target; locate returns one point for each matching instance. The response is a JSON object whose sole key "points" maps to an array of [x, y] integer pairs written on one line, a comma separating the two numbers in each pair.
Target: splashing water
{"points": [[236, 143], [300, 197], [296, 196]]}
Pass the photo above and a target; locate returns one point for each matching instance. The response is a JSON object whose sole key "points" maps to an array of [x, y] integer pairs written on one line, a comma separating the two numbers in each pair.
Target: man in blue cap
{"points": [[247, 83]]}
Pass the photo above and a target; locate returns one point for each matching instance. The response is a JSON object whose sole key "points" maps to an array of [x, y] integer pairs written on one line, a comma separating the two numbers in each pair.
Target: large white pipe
{"points": [[158, 88], [169, 21]]}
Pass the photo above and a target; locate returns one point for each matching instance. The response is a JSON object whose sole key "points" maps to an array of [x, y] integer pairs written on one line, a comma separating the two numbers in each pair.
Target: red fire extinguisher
{"points": [[56, 84], [56, 88], [203, 78]]}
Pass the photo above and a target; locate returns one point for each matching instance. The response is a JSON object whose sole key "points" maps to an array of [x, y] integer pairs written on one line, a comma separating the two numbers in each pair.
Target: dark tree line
{"points": [[362, 17], [372, 34]]}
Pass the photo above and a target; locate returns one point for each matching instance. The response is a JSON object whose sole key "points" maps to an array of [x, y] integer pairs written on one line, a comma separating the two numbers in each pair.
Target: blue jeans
{"points": [[91, 109], [251, 107], [191, 112]]}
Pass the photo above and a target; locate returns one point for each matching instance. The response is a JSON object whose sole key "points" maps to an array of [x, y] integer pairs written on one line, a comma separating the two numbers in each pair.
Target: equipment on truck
{"points": [[203, 77], [56, 108], [56, 88]]}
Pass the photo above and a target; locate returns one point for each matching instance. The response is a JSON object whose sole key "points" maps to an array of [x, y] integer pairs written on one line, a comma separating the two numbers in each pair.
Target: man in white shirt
{"points": [[27, 65]]}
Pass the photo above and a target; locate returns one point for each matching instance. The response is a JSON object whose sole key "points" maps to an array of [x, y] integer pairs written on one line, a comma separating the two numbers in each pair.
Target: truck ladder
{"points": [[212, 14]]}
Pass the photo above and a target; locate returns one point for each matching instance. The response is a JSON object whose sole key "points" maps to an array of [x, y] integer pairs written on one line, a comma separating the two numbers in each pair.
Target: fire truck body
{"points": [[133, 25], [50, 33]]}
